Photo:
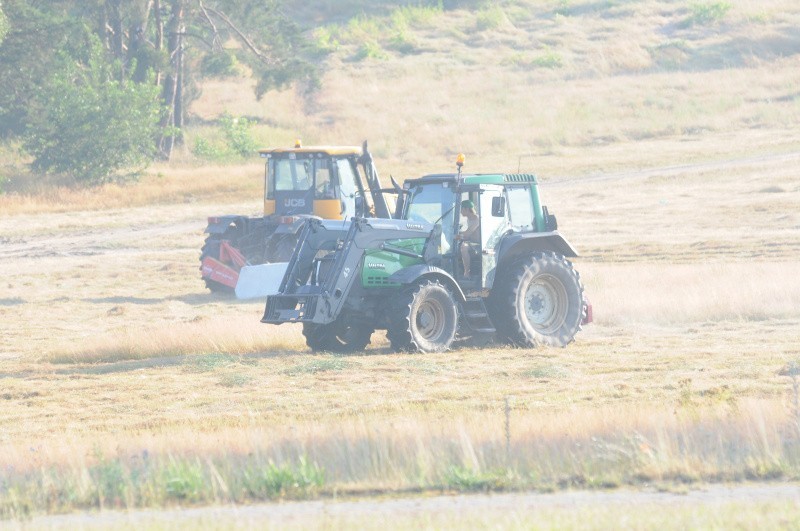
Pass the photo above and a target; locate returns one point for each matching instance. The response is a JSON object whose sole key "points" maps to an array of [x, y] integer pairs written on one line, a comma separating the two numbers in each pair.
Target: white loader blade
{"points": [[260, 280]]}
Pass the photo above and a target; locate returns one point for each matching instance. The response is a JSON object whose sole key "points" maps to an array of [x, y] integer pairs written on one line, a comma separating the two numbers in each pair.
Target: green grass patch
{"points": [[322, 365], [546, 372], [235, 380], [469, 480], [142, 481], [370, 50], [706, 13], [547, 59], [491, 17], [209, 362]]}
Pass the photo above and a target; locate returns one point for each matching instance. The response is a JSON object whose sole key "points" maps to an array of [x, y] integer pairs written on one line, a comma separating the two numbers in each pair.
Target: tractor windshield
{"points": [[432, 203]]}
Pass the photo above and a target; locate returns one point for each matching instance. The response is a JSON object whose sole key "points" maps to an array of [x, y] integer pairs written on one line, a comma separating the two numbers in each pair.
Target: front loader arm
{"points": [[321, 302], [374, 184]]}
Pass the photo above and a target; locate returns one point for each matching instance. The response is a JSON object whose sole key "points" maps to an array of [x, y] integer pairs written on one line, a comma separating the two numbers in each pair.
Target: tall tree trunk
{"points": [[115, 24], [159, 44], [102, 26], [172, 79], [179, 111]]}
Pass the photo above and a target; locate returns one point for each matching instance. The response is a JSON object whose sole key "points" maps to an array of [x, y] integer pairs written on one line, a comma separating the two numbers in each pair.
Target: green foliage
{"points": [[332, 364], [220, 64], [238, 135], [284, 481], [414, 16], [285, 54], [708, 12], [325, 39], [547, 59], [209, 362], [87, 123], [207, 150], [3, 24], [372, 33], [30, 55], [370, 50], [235, 380], [237, 140], [546, 372], [110, 481], [563, 8], [467, 479], [184, 481]]}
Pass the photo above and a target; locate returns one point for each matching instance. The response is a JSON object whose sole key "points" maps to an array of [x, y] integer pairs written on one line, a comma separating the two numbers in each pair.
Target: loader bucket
{"points": [[259, 281]]}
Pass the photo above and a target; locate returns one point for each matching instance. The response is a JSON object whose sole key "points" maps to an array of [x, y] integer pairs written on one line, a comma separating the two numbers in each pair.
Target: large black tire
{"points": [[342, 335], [538, 301], [281, 247], [424, 318], [211, 248]]}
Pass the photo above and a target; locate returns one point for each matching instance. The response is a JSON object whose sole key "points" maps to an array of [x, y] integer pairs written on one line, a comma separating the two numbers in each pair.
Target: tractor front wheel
{"points": [[539, 301], [342, 335], [425, 319]]}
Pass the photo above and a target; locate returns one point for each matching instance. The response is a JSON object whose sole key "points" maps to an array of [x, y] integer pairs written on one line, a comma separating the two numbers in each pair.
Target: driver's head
{"points": [[467, 206]]}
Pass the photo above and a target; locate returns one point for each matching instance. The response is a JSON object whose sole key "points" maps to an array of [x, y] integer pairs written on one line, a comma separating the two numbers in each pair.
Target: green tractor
{"points": [[465, 255]]}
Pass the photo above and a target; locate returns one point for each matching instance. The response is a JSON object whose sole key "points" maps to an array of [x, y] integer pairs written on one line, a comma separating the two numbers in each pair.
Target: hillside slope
{"points": [[543, 80]]}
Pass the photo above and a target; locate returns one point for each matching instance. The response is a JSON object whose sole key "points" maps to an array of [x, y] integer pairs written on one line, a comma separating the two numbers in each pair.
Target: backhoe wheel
{"points": [[342, 335], [282, 247], [424, 319], [211, 248], [538, 301]]}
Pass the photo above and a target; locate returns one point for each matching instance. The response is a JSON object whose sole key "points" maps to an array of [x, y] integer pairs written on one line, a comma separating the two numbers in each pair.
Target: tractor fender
{"points": [[517, 245], [219, 224], [295, 226], [415, 273]]}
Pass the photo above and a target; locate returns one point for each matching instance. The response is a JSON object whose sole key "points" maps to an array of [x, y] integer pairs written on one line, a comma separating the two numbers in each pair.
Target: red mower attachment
{"points": [[226, 269], [589, 317]]}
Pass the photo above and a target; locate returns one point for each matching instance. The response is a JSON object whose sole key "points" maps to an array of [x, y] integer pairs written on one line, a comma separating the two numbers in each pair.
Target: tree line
{"points": [[95, 88]]}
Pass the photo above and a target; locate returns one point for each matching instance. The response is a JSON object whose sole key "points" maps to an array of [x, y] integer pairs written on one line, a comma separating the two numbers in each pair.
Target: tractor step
{"points": [[476, 316]]}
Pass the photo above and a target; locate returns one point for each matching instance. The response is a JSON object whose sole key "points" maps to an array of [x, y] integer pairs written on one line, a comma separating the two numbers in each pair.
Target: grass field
{"points": [[670, 156]]}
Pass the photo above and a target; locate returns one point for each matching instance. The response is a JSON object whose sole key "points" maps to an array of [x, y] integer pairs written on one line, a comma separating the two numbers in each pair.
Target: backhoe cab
{"points": [[406, 275], [330, 182]]}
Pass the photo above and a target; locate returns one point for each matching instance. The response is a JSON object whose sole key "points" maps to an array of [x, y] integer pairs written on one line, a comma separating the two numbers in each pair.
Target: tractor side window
{"points": [[323, 189], [347, 184], [519, 205], [492, 228]]}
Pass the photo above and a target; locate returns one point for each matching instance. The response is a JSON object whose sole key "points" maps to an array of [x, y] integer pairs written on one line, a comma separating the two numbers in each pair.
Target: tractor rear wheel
{"points": [[342, 335], [424, 319], [539, 301]]}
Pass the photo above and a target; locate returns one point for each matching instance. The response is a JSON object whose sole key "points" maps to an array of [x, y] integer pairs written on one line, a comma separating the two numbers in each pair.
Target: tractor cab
{"points": [[505, 205], [322, 181]]}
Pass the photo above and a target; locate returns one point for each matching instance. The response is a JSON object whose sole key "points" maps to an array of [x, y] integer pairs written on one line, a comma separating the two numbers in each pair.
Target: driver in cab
{"points": [[470, 236]]}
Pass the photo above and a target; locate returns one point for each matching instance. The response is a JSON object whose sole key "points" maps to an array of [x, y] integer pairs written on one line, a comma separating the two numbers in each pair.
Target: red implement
{"points": [[589, 317], [225, 270]]}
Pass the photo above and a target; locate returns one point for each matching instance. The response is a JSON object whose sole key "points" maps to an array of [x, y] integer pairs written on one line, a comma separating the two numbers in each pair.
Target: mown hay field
{"points": [[125, 384]]}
